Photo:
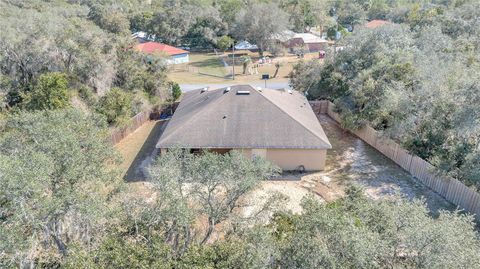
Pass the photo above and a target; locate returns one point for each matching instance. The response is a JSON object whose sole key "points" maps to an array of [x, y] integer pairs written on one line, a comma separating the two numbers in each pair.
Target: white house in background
{"points": [[142, 37], [175, 55], [245, 45], [312, 42]]}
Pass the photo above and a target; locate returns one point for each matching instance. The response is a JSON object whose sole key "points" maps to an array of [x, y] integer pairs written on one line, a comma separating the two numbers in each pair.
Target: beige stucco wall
{"points": [[287, 159], [291, 159]]}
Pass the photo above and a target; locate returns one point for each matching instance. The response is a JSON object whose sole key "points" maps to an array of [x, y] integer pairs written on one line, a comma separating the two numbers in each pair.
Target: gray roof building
{"points": [[244, 117]]}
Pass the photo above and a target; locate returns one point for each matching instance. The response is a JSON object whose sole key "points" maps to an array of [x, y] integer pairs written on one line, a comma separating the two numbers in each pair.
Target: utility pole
{"points": [[233, 58]]}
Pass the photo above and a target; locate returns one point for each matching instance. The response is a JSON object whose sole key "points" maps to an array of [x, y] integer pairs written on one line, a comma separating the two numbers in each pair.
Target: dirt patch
{"points": [[350, 161], [353, 161], [292, 190]]}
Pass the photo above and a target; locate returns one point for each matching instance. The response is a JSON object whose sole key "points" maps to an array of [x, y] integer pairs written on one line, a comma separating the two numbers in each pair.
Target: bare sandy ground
{"points": [[351, 161]]}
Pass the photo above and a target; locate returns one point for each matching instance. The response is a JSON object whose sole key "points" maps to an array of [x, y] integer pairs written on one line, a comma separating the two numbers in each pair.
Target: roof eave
{"points": [[167, 145]]}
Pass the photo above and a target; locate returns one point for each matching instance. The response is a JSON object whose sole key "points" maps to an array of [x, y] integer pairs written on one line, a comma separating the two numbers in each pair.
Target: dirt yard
{"points": [[351, 161]]}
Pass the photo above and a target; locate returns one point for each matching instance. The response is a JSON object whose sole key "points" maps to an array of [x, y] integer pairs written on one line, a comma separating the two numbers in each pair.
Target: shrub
{"points": [[176, 91], [87, 95], [49, 92], [224, 42], [116, 105]]}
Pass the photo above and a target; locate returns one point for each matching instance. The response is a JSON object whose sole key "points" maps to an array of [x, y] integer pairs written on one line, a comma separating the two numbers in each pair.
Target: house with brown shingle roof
{"points": [[278, 125]]}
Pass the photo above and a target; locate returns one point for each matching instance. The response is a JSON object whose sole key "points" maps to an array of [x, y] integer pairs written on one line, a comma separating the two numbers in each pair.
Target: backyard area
{"points": [[350, 161]]}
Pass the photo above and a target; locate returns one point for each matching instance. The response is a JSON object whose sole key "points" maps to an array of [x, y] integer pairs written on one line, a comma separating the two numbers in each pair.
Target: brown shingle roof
{"points": [[261, 119]]}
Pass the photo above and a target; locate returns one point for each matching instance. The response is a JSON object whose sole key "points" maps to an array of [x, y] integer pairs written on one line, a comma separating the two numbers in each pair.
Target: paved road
{"points": [[271, 85]]}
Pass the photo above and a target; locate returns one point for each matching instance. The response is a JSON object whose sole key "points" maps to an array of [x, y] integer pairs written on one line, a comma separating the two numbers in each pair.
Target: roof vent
{"points": [[227, 90], [243, 92]]}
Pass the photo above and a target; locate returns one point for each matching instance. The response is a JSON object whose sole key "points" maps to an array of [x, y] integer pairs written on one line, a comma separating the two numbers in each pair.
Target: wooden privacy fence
{"points": [[450, 188], [138, 120]]}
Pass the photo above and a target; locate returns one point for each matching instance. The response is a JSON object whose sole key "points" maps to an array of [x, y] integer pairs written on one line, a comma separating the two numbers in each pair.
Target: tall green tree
{"points": [[258, 23], [417, 83], [208, 184], [56, 177], [116, 106]]}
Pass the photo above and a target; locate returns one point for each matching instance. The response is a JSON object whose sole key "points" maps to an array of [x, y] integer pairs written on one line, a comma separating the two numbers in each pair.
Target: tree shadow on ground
{"points": [[134, 172]]}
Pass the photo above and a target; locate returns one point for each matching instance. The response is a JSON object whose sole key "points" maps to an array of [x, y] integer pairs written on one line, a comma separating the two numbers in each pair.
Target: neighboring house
{"points": [[278, 125], [142, 37], [311, 42], [376, 23], [175, 55], [245, 45]]}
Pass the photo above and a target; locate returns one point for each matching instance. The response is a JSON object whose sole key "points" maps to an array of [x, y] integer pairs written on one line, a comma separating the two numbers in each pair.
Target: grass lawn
{"points": [[138, 146], [208, 64], [211, 70]]}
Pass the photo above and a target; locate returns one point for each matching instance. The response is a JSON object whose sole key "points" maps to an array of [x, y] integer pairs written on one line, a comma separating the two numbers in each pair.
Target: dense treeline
{"points": [[62, 207], [89, 41], [67, 73], [54, 51], [417, 80]]}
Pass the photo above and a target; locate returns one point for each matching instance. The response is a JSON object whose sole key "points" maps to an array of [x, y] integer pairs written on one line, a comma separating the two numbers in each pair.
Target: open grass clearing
{"points": [[208, 68]]}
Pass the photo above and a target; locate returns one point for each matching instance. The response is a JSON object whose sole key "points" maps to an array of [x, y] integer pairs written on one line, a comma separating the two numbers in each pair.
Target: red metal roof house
{"points": [[176, 55]]}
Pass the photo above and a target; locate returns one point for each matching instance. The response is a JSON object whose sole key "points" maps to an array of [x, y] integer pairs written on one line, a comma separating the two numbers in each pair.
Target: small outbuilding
{"points": [[174, 55], [278, 125], [312, 42]]}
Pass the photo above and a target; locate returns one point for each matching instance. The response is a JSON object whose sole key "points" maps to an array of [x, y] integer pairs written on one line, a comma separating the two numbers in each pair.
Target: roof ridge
{"points": [[290, 116], [191, 118]]}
